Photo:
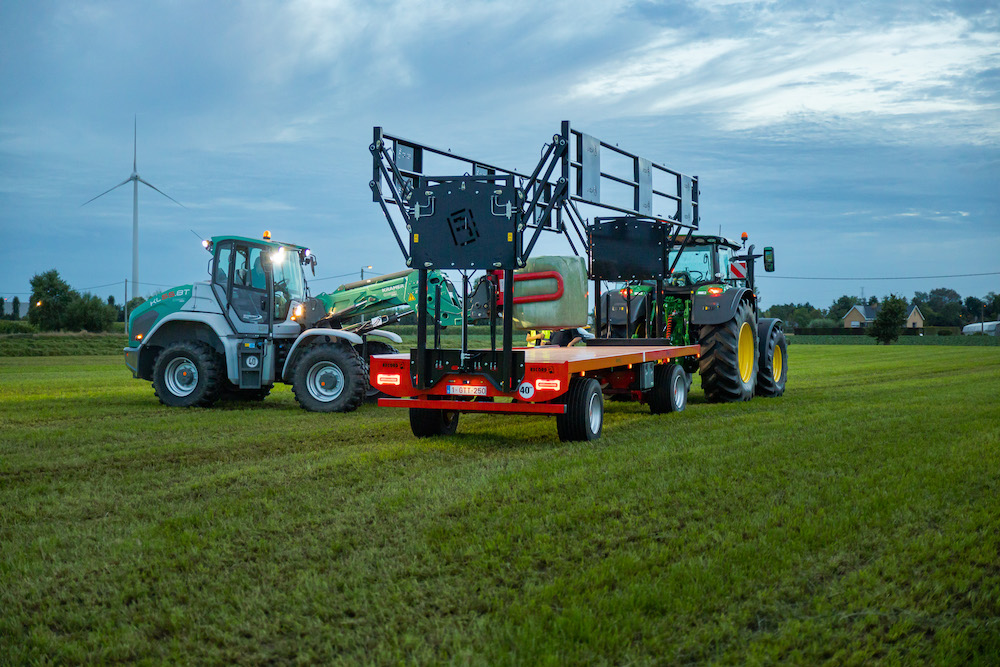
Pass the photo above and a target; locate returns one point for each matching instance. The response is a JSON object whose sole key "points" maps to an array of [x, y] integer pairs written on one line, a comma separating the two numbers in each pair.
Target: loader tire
{"points": [[773, 365], [186, 374], [374, 347], [329, 377], [728, 362]]}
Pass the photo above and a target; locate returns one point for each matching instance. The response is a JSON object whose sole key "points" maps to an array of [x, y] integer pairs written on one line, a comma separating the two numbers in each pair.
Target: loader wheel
{"points": [[728, 363], [584, 415], [329, 378], [773, 365], [426, 423], [374, 347], [186, 374], [670, 389]]}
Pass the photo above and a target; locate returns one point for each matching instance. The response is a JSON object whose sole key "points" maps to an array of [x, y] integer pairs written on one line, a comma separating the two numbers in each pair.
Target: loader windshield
{"points": [[289, 281]]}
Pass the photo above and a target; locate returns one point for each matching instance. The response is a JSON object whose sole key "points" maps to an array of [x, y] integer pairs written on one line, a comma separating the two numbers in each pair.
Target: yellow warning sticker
{"points": [[510, 237], [416, 238]]}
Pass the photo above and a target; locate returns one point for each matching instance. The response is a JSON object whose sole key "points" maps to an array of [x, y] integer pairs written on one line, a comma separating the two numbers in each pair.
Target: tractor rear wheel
{"points": [[670, 389], [584, 417], [773, 365], [728, 362], [374, 347], [186, 374], [425, 422], [329, 378]]}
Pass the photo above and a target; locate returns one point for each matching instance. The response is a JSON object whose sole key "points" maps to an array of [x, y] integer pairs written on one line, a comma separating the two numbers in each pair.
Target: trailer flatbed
{"points": [[547, 374]]}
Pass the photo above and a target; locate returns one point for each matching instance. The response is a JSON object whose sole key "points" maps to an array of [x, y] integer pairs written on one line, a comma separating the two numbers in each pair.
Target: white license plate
{"points": [[466, 390]]}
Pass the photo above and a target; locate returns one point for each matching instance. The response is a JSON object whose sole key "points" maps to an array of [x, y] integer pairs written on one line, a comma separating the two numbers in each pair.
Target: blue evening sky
{"points": [[861, 140]]}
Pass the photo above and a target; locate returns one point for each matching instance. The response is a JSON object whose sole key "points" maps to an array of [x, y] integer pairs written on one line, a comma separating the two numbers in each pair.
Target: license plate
{"points": [[466, 390]]}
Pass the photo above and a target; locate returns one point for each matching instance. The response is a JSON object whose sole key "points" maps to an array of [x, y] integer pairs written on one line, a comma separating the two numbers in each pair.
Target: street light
{"points": [[363, 270]]}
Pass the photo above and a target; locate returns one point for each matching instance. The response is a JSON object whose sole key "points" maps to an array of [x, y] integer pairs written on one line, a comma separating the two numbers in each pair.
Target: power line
{"points": [[955, 275]]}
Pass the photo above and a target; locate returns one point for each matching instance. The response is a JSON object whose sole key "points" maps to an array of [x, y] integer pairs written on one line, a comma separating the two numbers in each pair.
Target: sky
{"points": [[860, 140]]}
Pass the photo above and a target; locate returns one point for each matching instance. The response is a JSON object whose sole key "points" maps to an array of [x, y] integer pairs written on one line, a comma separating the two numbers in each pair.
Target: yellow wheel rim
{"points": [[745, 351], [777, 364]]}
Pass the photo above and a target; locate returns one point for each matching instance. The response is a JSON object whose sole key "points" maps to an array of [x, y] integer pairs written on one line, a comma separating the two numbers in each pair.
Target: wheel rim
{"points": [[777, 365], [745, 351], [677, 390], [595, 412], [181, 376], [325, 381]]}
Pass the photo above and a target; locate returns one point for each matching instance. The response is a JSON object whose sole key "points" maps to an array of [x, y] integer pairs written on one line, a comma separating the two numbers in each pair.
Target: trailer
{"points": [[488, 221]]}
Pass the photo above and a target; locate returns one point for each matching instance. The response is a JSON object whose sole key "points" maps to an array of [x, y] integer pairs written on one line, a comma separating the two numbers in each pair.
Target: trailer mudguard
{"points": [[708, 309], [308, 335]]}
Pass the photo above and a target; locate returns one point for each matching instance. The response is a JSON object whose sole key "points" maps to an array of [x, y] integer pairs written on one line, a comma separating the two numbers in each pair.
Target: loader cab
{"points": [[257, 282]]}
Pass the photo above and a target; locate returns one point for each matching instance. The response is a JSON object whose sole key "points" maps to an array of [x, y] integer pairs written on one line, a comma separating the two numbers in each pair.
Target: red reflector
{"points": [[387, 378], [548, 384]]}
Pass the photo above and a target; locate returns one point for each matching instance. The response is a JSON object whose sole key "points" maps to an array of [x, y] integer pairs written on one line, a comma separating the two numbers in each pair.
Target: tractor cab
{"points": [[707, 259], [261, 283]]}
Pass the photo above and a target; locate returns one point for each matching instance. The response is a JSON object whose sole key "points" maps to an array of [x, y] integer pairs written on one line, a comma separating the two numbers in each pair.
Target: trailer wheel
{"points": [[670, 389], [186, 374], [374, 347], [329, 378], [584, 417], [728, 363], [426, 423], [773, 366]]}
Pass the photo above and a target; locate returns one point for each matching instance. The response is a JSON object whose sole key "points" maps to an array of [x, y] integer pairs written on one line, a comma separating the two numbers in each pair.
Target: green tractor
{"points": [[254, 324], [709, 299]]}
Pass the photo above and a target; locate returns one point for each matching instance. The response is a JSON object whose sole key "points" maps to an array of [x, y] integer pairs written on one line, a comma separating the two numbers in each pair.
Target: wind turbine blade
{"points": [[107, 191], [160, 191]]}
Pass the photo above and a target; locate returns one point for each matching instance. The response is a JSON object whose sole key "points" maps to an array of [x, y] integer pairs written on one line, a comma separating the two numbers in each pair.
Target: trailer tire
{"points": [[670, 389], [329, 377], [584, 417], [773, 371], [374, 347], [426, 423], [728, 363], [186, 374]]}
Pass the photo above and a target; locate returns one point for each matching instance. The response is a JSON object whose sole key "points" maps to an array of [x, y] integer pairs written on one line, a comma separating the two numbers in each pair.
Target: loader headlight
{"points": [[299, 311], [278, 256]]}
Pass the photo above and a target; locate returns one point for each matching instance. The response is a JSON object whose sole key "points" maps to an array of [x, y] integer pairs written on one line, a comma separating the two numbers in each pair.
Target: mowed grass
{"points": [[855, 520]]}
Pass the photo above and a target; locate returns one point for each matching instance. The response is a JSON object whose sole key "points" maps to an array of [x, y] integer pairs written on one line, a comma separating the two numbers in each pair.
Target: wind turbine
{"points": [[135, 179]]}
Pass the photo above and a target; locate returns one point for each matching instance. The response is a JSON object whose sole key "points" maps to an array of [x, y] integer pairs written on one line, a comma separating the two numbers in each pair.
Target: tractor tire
{"points": [[584, 417], [670, 389], [728, 362], [773, 366], [374, 347], [187, 374], [426, 423], [329, 378]]}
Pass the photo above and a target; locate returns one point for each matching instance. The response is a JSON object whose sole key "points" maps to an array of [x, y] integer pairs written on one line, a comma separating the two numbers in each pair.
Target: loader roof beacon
{"points": [[254, 323], [488, 221]]}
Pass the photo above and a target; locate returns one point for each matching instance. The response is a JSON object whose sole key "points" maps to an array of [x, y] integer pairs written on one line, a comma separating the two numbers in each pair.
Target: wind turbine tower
{"points": [[135, 179]]}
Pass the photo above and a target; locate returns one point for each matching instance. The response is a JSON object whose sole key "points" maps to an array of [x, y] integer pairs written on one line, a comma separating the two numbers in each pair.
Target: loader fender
{"points": [[708, 309], [306, 338], [388, 335], [210, 328]]}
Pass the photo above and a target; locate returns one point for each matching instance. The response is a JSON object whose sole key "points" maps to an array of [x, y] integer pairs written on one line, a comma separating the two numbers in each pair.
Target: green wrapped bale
{"points": [[570, 310]]}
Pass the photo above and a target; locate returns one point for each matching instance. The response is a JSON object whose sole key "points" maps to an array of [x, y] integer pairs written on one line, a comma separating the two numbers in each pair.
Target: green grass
{"points": [[852, 521], [955, 341]]}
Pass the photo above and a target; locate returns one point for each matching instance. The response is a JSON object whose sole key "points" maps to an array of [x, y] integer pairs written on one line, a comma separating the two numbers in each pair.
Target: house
{"points": [[862, 316]]}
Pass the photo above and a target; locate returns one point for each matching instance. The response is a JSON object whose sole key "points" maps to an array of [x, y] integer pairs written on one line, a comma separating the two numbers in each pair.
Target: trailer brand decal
{"points": [[466, 390], [541, 369]]}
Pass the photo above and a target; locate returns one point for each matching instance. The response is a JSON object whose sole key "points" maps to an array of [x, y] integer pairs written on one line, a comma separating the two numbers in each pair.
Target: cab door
{"points": [[240, 280]]}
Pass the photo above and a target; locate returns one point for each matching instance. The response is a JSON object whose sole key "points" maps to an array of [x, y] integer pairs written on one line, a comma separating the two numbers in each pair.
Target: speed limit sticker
{"points": [[526, 390]]}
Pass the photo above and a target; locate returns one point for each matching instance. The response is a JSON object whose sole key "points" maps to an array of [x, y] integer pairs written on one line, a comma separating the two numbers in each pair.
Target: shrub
{"points": [[16, 327]]}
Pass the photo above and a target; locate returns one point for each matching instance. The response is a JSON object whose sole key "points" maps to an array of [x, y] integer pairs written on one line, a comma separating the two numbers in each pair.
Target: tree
{"points": [[3, 302], [973, 308], [873, 300], [889, 320], [15, 313], [89, 312], [942, 307], [821, 323], [841, 306], [992, 305], [50, 299]]}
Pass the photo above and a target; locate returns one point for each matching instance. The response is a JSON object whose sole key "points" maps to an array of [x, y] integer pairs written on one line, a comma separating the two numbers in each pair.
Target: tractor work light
{"points": [[388, 378]]}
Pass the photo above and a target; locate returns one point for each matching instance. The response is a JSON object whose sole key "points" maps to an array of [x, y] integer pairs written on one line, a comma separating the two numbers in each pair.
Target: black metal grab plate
{"points": [[628, 249], [465, 222], [487, 363]]}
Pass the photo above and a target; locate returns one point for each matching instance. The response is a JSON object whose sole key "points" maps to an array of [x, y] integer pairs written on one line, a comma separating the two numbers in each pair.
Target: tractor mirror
{"points": [[769, 259]]}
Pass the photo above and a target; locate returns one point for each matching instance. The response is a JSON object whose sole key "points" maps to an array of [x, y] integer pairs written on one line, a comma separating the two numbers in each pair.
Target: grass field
{"points": [[855, 520]]}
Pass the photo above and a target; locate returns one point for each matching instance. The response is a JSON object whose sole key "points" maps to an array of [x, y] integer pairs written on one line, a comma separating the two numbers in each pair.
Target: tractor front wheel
{"points": [[728, 362], [584, 417], [186, 374], [329, 378], [773, 365]]}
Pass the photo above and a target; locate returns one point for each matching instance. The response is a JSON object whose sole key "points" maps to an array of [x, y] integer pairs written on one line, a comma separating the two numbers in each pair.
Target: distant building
{"points": [[862, 316]]}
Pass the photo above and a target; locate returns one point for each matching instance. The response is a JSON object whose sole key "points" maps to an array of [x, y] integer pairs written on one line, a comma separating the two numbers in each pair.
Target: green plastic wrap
{"points": [[570, 310]]}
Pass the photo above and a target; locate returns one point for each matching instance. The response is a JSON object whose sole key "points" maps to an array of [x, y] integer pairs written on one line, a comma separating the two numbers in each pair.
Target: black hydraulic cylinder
{"points": [[437, 317]]}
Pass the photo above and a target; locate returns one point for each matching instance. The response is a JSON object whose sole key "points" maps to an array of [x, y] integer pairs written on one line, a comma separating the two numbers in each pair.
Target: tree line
{"points": [[55, 306], [941, 307]]}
